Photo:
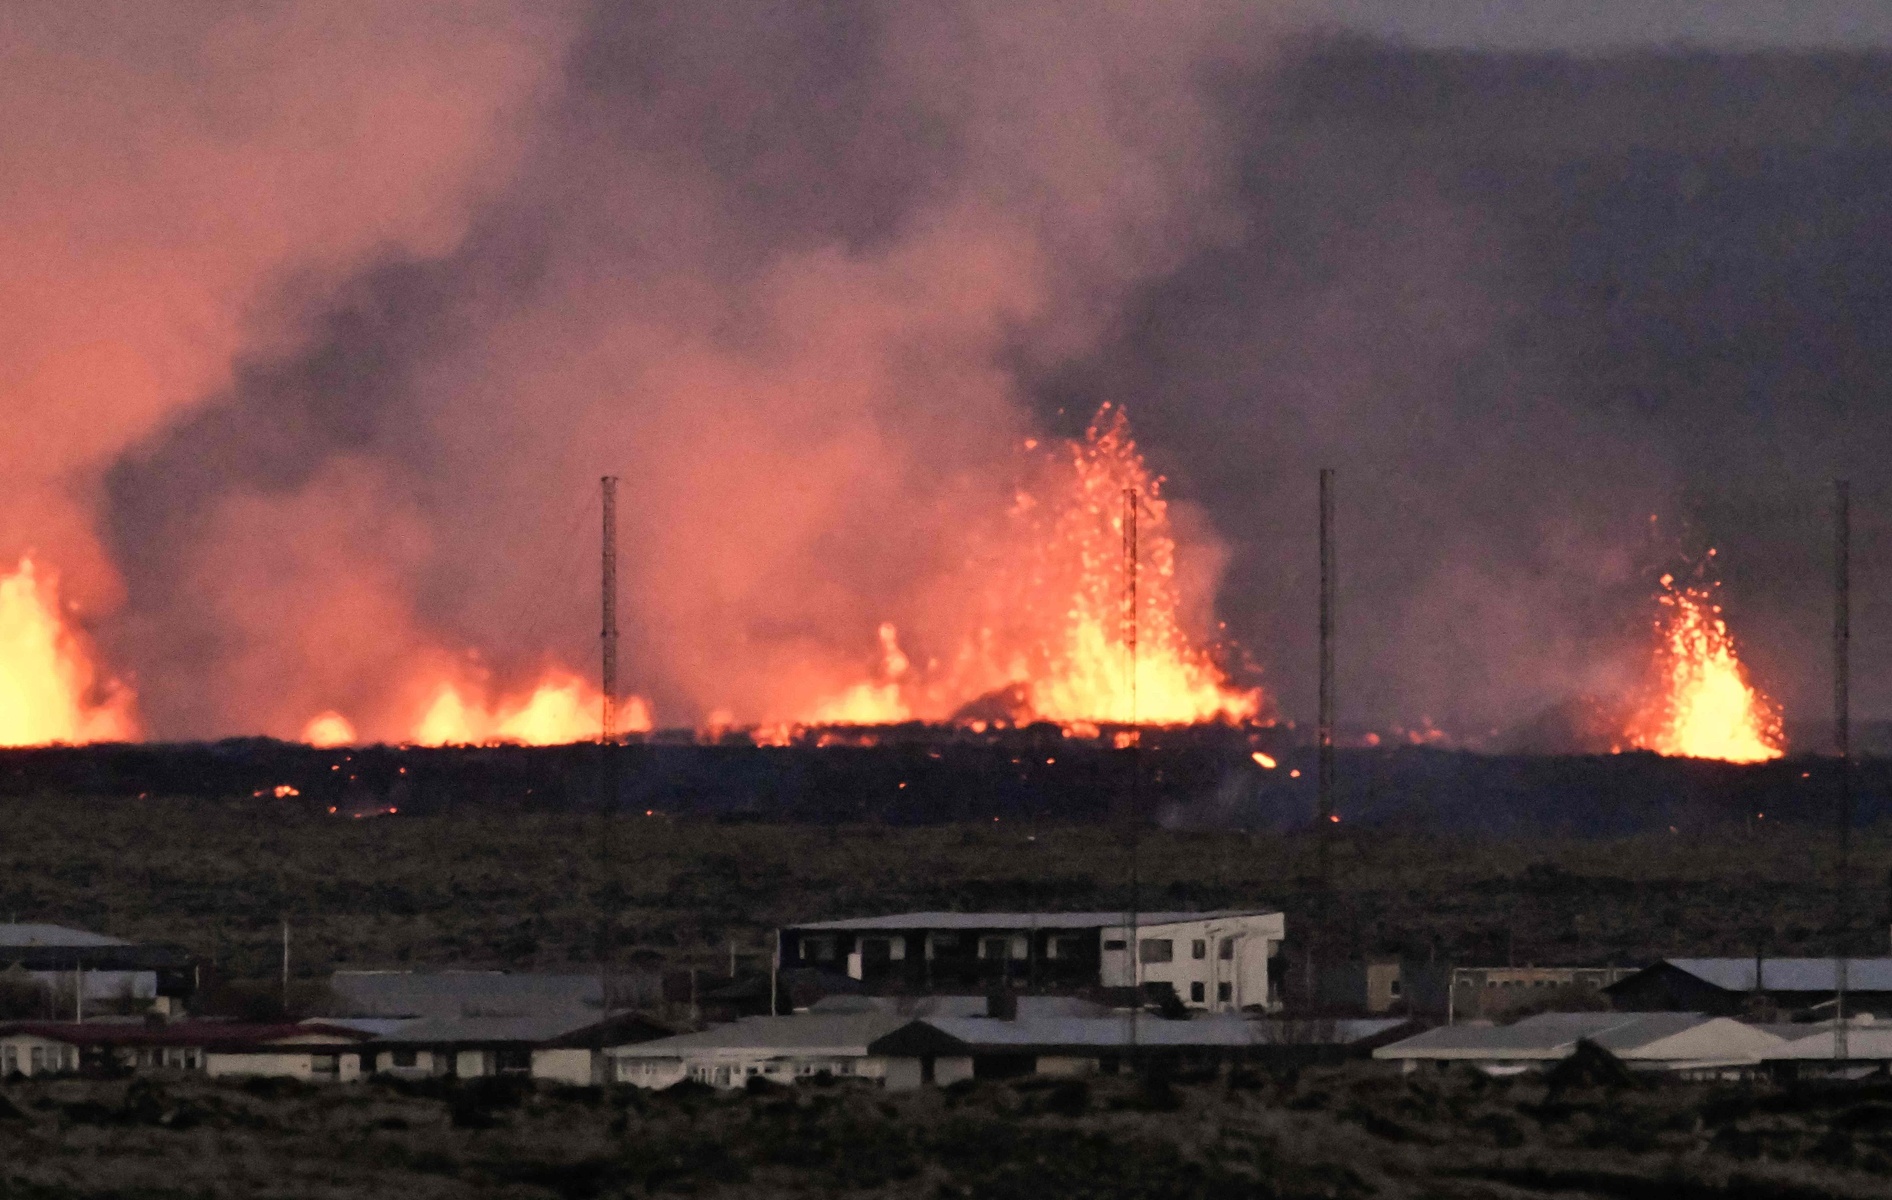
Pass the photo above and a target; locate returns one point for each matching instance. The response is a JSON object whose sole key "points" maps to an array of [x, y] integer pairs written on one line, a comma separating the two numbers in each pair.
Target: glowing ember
{"points": [[49, 691], [561, 710], [1050, 639], [1702, 705], [1265, 762], [328, 731]]}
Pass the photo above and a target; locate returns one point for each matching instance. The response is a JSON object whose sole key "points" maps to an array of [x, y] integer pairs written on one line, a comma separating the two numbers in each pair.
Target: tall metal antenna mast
{"points": [[608, 732], [1131, 502], [1325, 784], [609, 638], [1842, 744]]}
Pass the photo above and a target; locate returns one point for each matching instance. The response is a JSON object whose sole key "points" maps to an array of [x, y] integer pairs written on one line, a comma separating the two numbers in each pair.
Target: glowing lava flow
{"points": [[49, 690], [1050, 642], [328, 731], [1703, 705], [561, 710]]}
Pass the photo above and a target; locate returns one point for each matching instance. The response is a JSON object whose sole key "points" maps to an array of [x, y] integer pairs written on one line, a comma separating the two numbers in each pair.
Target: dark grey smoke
{"points": [[1522, 303]]}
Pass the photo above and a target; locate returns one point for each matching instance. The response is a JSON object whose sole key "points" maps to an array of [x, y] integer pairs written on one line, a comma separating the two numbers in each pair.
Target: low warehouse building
{"points": [[896, 1051], [308, 1051], [1732, 985], [1689, 1043]]}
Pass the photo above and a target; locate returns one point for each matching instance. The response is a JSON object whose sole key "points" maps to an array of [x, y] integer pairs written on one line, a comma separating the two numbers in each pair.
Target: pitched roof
{"points": [[1868, 1042], [1049, 1034], [1554, 1035], [1782, 974], [841, 1034], [214, 1034], [1022, 920]]}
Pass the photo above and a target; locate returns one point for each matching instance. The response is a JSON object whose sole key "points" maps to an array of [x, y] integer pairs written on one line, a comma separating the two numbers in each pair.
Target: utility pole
{"points": [[285, 966], [1842, 744], [608, 733], [1131, 502], [1325, 784]]}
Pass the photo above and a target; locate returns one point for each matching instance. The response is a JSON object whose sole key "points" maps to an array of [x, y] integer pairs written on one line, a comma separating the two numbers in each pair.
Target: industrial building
{"points": [[1495, 992], [84, 969], [1730, 986], [1214, 961], [1693, 1044]]}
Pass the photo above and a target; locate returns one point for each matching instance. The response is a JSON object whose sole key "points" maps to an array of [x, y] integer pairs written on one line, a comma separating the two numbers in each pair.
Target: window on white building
{"points": [[1227, 949], [1199, 948], [1156, 950]]}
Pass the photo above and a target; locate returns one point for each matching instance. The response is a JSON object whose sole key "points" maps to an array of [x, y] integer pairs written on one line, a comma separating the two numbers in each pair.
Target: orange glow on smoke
{"points": [[1051, 643], [561, 710], [328, 731], [49, 689], [1702, 704]]}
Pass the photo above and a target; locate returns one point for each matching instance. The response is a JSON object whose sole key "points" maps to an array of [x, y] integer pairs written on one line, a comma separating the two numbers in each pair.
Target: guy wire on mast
{"points": [[607, 740], [1131, 501], [1842, 745]]}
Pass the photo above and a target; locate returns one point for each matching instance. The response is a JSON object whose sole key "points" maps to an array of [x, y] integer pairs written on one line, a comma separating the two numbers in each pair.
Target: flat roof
{"points": [[1023, 920], [28, 934]]}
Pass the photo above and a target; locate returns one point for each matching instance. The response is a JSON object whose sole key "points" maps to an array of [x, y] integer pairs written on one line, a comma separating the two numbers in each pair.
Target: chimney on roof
{"points": [[1001, 1004]]}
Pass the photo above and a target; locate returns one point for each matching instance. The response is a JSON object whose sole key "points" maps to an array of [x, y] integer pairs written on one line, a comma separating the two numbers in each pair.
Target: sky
{"points": [[324, 325], [1593, 25]]}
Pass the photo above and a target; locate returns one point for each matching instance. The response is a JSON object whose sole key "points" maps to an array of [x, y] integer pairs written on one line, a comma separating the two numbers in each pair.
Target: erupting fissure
{"points": [[1051, 641], [49, 689], [562, 709], [1701, 704]]}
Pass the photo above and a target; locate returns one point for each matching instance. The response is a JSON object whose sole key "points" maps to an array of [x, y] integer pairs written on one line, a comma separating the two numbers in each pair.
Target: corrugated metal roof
{"points": [[842, 1034], [1104, 1033], [448, 1031], [183, 1033], [1547, 1035], [53, 936], [466, 994], [1023, 920], [1788, 974], [1871, 1042]]}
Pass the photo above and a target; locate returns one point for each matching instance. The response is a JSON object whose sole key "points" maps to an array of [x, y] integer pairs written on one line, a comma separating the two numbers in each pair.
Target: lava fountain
{"points": [[1050, 637], [1701, 704], [49, 690], [562, 709]]}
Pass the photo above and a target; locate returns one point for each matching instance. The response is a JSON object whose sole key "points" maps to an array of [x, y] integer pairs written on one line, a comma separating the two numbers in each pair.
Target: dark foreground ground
{"points": [[522, 889], [1354, 1131]]}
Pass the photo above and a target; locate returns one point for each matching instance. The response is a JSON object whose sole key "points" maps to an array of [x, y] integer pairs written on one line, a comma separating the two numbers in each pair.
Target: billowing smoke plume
{"points": [[323, 329], [771, 267]]}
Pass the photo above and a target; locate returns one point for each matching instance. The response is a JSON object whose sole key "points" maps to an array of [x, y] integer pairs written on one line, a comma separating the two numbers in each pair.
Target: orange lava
{"points": [[49, 690], [562, 709], [1702, 705], [1050, 642], [328, 731]]}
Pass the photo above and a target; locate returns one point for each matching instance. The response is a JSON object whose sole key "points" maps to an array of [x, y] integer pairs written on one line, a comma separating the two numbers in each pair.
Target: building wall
{"points": [[102, 986], [581, 1068], [424, 1063], [29, 1055], [282, 1064], [1495, 991], [1169, 954]]}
